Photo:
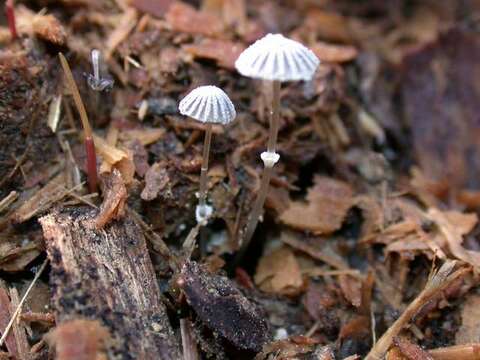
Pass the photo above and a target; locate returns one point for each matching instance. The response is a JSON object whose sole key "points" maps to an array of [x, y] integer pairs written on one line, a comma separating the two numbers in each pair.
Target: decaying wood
{"points": [[108, 275]]}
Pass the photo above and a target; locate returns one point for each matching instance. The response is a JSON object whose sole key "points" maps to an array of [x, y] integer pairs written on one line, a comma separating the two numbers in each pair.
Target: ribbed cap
{"points": [[274, 57], [208, 104]]}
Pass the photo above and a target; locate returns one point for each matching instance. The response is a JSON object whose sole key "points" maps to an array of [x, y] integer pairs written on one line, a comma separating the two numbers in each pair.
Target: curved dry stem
{"points": [[76, 96], [203, 172], [87, 130], [439, 282]]}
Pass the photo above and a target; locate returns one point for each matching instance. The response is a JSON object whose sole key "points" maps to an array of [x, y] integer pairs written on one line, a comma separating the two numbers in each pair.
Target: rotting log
{"points": [[108, 275]]}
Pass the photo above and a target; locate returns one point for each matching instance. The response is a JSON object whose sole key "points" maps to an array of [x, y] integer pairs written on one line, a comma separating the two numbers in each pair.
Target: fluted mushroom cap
{"points": [[208, 104], [274, 57]]}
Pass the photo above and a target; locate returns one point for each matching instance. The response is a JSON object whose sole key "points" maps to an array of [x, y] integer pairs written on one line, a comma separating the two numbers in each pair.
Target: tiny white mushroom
{"points": [[275, 59], [209, 105]]}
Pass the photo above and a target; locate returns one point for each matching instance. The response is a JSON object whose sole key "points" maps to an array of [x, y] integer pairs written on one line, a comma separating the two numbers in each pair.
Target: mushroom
{"points": [[274, 59], [95, 81], [209, 105]]}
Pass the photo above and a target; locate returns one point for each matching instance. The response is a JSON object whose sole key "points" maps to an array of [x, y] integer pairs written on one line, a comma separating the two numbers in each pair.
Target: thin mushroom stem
{"points": [[274, 117], [203, 172], [267, 170], [87, 130]]}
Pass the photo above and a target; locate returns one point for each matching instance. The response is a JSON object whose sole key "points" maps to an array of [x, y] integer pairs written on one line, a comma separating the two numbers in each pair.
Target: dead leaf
{"points": [[223, 52], [328, 202], [334, 53], [185, 18], [115, 157], [115, 196], [315, 249], [351, 289], [279, 273], [453, 226], [146, 136], [328, 25]]}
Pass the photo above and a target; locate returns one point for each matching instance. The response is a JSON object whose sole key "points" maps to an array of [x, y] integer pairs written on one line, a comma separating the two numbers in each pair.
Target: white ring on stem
{"points": [[269, 158]]}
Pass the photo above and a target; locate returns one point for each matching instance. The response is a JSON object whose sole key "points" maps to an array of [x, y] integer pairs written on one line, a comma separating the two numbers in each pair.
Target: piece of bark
{"points": [[223, 308], [107, 275]]}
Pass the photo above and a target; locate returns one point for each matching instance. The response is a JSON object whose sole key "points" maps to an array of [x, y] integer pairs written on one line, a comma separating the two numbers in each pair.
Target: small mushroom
{"points": [[209, 105], [274, 59], [95, 81]]}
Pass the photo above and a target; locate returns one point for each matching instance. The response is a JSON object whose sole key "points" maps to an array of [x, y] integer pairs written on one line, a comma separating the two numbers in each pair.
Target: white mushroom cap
{"points": [[274, 57], [208, 104]]}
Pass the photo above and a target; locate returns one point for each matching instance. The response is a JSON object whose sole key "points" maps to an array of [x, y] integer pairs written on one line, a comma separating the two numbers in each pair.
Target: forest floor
{"points": [[369, 245]]}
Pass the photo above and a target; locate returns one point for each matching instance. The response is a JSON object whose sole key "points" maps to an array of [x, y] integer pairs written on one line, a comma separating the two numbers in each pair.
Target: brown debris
{"points": [[18, 328], [115, 195], [15, 257], [53, 191], [5, 315], [223, 52], [437, 283], [157, 8], [279, 273], [469, 332], [410, 350], [334, 53], [351, 289], [223, 308], [453, 226], [46, 27], [49, 28], [184, 18], [156, 179], [79, 339], [458, 352], [328, 202]]}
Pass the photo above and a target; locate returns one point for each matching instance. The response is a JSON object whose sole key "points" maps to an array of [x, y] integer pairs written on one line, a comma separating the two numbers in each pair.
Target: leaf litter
{"points": [[376, 184]]}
